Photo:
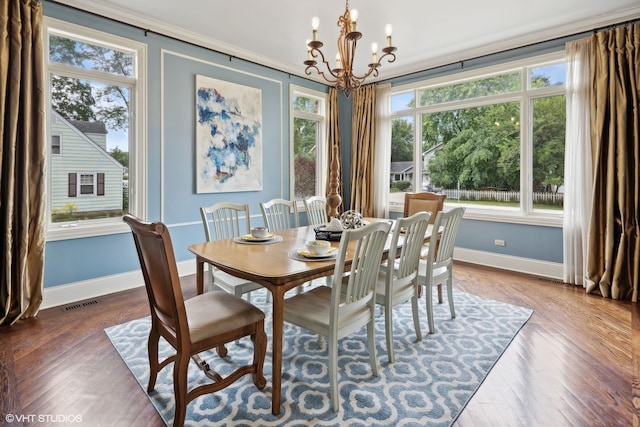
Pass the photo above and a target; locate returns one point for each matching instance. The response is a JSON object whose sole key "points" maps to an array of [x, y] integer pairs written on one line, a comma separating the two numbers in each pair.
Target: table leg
{"points": [[278, 326], [199, 276]]}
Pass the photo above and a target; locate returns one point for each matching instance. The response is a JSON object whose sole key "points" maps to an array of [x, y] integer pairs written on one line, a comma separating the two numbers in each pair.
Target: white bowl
{"points": [[318, 247], [259, 232]]}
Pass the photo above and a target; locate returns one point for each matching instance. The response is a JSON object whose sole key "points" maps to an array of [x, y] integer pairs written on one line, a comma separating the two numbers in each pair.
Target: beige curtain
{"points": [[363, 117], [22, 159], [381, 163], [334, 159], [613, 261]]}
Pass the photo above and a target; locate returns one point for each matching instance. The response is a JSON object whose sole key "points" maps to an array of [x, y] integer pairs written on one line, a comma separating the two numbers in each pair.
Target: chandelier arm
{"points": [[315, 52]]}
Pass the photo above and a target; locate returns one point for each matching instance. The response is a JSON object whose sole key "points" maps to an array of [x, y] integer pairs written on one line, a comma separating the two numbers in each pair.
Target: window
{"points": [[492, 140], [55, 144], [96, 97], [308, 143]]}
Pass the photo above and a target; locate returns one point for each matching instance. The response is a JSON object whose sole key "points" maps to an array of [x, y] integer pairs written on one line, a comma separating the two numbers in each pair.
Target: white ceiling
{"points": [[426, 33]]}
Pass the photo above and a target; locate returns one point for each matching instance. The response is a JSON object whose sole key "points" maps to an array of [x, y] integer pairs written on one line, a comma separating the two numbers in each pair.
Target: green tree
{"points": [[548, 143], [120, 156], [480, 147], [401, 140], [82, 100]]}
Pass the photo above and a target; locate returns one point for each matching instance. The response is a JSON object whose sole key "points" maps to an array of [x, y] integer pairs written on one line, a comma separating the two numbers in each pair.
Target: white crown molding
{"points": [[551, 33], [110, 11]]}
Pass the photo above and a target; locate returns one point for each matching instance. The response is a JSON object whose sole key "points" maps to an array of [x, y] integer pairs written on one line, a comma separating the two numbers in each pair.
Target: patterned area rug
{"points": [[428, 385]]}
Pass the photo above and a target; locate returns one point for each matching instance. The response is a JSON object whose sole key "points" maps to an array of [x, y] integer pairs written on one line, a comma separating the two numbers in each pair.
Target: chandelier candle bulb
{"points": [[315, 24], [387, 29], [338, 61], [354, 19], [374, 52]]}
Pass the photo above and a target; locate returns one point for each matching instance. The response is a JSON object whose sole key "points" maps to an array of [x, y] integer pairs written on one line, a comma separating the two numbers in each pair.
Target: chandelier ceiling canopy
{"points": [[342, 76]]}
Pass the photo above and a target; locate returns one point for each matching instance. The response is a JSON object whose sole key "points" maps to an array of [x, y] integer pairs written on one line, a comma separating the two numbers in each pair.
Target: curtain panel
{"points": [[613, 261], [363, 149], [578, 175], [22, 159], [381, 163]]}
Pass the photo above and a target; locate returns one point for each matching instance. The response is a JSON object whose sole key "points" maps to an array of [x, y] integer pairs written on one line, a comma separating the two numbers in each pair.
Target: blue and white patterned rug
{"points": [[428, 385]]}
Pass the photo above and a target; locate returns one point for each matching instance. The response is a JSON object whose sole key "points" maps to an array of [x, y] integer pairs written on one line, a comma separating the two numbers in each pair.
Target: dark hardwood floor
{"points": [[575, 363]]}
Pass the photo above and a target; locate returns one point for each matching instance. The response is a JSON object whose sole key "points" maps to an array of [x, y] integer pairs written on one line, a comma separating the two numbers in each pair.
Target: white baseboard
{"points": [[552, 270], [86, 289]]}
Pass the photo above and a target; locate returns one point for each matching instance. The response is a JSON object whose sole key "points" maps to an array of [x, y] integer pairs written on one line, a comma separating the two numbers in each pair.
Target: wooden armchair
{"points": [[204, 322]]}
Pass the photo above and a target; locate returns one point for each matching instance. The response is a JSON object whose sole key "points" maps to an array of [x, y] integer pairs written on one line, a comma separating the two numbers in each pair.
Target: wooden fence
{"points": [[504, 196]]}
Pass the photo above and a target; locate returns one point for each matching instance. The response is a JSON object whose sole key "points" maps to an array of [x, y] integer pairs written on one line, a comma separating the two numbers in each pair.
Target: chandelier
{"points": [[342, 76]]}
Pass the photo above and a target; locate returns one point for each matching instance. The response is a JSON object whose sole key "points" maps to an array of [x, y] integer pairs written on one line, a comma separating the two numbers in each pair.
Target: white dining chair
{"points": [[316, 207], [398, 280], [437, 268], [224, 221], [280, 214], [333, 314]]}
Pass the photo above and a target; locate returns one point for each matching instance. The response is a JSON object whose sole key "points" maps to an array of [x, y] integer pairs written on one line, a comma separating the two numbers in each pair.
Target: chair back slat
{"points": [[441, 251], [367, 256], [224, 220], [412, 231], [316, 207], [280, 214]]}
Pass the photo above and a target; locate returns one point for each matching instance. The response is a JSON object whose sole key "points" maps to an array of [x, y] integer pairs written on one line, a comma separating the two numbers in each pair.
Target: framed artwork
{"points": [[228, 136]]}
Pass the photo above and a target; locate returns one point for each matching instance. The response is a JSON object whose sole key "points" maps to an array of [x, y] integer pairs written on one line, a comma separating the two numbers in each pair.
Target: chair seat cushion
{"points": [[217, 312]]}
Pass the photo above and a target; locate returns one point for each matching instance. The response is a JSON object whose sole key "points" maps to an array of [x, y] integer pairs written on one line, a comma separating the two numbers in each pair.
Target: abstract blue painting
{"points": [[228, 136]]}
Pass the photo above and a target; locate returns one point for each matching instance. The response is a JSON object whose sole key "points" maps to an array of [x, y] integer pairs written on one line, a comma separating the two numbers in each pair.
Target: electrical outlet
{"points": [[499, 242]]}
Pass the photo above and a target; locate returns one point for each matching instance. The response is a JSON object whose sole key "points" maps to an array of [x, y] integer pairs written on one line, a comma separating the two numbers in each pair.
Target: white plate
{"points": [[330, 253], [250, 238]]}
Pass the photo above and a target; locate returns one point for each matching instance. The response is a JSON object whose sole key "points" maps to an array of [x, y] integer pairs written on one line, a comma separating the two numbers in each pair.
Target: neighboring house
{"points": [[83, 173], [403, 171]]}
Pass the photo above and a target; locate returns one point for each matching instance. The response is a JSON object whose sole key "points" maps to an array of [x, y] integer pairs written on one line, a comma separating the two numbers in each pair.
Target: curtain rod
{"points": [[461, 62]]}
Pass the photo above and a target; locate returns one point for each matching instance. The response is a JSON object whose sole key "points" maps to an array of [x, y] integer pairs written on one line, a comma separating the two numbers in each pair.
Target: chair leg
{"points": [[440, 293], [180, 368], [333, 373], [259, 351], [450, 297], [429, 298], [388, 324], [416, 316], [371, 341], [152, 349]]}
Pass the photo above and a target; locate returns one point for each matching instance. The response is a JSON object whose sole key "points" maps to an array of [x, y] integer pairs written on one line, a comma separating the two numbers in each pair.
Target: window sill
{"points": [[80, 230], [539, 218]]}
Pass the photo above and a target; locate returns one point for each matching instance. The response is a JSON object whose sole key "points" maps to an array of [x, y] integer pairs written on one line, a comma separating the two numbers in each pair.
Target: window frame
{"points": [[525, 214], [137, 125], [58, 145], [321, 139]]}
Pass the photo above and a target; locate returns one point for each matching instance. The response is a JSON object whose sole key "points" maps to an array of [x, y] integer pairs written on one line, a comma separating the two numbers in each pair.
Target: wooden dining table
{"points": [[270, 265]]}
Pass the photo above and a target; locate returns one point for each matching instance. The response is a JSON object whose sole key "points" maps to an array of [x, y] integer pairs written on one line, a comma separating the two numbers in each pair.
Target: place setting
{"points": [[315, 250], [258, 236]]}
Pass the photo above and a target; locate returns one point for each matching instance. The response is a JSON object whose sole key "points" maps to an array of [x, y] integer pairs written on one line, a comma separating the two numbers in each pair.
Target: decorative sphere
{"points": [[351, 220]]}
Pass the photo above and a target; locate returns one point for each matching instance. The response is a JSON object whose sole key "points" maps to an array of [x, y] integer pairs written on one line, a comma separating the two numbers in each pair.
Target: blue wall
{"points": [[172, 198], [171, 195]]}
